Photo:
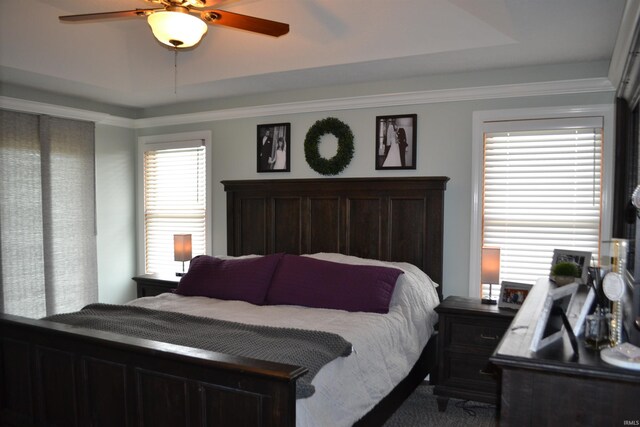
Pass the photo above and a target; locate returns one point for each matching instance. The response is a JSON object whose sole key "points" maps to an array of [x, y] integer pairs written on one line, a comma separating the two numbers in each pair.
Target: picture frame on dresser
{"points": [[513, 294], [581, 258], [550, 326], [578, 317]]}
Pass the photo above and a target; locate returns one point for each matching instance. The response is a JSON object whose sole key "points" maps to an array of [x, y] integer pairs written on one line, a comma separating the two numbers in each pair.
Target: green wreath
{"points": [[337, 163]]}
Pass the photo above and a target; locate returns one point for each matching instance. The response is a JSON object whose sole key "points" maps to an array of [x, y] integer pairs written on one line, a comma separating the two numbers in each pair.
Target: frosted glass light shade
{"points": [[177, 29]]}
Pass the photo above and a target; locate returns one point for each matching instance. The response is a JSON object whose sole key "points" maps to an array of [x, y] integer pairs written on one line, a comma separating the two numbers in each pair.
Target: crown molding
{"points": [[26, 106], [625, 47], [388, 100], [560, 87]]}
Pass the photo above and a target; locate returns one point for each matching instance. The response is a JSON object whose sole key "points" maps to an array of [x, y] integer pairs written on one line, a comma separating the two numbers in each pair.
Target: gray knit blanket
{"points": [[305, 348]]}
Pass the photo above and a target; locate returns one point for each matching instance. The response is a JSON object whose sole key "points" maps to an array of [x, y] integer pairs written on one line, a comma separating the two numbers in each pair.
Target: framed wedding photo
{"points": [[274, 149], [396, 141]]}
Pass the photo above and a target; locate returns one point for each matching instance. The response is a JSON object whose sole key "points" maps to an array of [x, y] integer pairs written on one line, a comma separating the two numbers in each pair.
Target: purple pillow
{"points": [[245, 279], [316, 283]]}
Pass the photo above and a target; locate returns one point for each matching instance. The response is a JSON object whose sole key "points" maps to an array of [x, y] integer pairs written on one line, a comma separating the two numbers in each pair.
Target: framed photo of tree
{"points": [[273, 147], [396, 141]]}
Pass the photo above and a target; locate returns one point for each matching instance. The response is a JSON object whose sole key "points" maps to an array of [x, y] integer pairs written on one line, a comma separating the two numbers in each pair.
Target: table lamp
{"points": [[182, 249], [490, 271]]}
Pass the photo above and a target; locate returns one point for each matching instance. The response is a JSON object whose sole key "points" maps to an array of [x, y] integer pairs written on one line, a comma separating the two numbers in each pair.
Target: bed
{"points": [[56, 374]]}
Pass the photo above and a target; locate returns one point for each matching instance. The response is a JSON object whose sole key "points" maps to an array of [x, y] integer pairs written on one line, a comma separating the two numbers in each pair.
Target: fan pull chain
{"points": [[175, 71]]}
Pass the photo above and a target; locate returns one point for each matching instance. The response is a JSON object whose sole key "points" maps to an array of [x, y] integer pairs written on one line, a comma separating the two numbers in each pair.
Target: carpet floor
{"points": [[421, 409]]}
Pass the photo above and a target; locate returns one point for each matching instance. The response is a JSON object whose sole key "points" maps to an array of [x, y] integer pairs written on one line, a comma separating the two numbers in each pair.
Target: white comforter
{"points": [[385, 346]]}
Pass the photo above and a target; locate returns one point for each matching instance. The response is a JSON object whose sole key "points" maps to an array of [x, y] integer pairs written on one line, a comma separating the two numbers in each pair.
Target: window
{"points": [[541, 188], [174, 176]]}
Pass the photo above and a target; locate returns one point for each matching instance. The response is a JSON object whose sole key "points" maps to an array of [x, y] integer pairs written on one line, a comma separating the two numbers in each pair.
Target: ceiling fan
{"points": [[175, 23]]}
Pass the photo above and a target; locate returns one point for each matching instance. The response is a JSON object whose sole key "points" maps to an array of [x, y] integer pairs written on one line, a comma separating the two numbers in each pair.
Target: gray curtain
{"points": [[47, 215]]}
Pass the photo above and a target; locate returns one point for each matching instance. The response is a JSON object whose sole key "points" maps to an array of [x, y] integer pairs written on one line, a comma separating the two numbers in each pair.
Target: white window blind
{"points": [[174, 202], [542, 191]]}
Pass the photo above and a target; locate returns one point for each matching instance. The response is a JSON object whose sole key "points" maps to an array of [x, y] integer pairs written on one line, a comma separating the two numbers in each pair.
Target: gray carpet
{"points": [[421, 409]]}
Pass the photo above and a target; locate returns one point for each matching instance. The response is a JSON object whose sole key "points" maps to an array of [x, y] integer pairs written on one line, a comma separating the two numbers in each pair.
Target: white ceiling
{"points": [[330, 42]]}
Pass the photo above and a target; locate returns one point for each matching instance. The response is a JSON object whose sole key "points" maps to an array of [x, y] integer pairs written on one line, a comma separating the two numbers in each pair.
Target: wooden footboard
{"points": [[56, 375]]}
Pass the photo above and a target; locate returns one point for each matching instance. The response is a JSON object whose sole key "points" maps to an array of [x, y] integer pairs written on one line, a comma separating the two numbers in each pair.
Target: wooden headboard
{"points": [[390, 219]]}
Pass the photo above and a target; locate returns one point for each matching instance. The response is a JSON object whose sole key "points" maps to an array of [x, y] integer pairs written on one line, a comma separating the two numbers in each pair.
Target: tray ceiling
{"points": [[331, 42]]}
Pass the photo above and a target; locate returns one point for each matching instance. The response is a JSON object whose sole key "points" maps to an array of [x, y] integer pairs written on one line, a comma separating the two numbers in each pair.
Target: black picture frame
{"points": [[396, 149], [268, 144]]}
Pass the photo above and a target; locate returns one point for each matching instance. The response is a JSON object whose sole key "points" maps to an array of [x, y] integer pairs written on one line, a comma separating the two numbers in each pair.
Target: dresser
{"points": [[552, 387], [468, 333]]}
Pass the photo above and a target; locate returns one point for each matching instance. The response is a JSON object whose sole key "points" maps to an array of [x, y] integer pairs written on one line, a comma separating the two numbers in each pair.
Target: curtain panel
{"points": [[48, 256]]}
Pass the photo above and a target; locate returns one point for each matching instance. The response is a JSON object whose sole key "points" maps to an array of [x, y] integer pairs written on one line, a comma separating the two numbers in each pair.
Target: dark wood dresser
{"points": [[468, 334], [551, 388], [150, 285]]}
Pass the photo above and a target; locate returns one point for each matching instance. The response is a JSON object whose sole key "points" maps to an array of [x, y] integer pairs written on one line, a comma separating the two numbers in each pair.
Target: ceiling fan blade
{"points": [[108, 15], [245, 22]]}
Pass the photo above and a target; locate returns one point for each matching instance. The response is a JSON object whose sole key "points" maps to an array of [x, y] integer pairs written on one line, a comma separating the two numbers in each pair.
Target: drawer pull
{"points": [[492, 338], [483, 372]]}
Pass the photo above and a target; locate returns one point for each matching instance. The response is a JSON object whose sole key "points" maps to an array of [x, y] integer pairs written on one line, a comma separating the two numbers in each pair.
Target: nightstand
{"points": [[468, 334], [150, 285]]}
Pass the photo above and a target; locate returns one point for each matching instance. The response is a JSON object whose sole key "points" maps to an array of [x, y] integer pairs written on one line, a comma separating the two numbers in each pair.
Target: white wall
{"points": [[443, 148], [115, 211]]}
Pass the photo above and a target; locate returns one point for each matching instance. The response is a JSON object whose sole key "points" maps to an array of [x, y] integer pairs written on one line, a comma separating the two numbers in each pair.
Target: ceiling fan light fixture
{"points": [[177, 28]]}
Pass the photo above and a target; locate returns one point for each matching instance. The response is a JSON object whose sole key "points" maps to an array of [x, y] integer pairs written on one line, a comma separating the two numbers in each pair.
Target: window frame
{"points": [[168, 139], [482, 120]]}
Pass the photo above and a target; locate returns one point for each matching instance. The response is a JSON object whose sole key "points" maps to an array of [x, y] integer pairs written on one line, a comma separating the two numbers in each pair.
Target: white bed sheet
{"points": [[386, 346]]}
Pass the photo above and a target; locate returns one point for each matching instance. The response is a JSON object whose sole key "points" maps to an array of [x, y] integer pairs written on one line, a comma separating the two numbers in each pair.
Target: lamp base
{"points": [[179, 274], [490, 300]]}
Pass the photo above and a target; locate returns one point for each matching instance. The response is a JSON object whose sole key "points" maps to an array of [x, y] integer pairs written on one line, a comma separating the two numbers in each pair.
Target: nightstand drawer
{"points": [[147, 290], [469, 333], [149, 285], [470, 372]]}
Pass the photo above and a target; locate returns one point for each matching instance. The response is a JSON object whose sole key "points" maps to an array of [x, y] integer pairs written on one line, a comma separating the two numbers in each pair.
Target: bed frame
{"points": [[57, 375]]}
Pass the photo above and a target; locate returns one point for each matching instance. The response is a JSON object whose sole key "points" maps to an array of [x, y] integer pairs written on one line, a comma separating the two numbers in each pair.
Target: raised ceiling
{"points": [[331, 42]]}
